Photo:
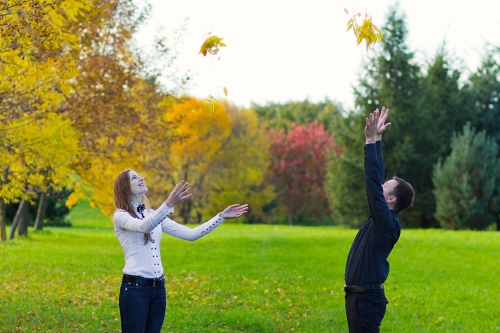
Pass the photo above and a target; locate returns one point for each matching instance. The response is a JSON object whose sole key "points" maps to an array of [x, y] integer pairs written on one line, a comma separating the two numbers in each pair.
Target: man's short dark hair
{"points": [[404, 194]]}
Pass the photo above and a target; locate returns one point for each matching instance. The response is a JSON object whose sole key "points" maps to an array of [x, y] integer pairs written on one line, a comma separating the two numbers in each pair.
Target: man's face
{"points": [[388, 188]]}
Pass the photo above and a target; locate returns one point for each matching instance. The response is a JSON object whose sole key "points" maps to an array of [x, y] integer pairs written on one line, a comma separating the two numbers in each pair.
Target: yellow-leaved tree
{"points": [[35, 54], [223, 156], [74, 57], [115, 103], [38, 158], [242, 162], [36, 71]]}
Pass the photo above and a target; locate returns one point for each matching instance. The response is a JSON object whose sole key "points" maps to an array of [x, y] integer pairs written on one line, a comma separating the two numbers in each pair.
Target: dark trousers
{"points": [[142, 307], [365, 310]]}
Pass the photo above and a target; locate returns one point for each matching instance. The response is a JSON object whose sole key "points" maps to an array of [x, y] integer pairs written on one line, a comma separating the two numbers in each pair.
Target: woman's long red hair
{"points": [[123, 196]]}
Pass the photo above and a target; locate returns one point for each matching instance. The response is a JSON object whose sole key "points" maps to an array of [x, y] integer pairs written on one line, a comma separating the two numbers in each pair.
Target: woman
{"points": [[139, 230]]}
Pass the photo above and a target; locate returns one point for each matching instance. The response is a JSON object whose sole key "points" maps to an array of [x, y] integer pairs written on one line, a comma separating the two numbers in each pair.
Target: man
{"points": [[367, 267]]}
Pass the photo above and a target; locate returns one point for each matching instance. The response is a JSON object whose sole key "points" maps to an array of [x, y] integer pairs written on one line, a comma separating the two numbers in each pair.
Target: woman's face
{"points": [[137, 183]]}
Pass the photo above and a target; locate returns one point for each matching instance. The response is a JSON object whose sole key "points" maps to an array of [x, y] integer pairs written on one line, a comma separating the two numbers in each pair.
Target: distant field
{"points": [[248, 278]]}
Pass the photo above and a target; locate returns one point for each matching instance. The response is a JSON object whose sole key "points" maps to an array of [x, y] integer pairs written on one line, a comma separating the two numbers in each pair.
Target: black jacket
{"points": [[367, 260]]}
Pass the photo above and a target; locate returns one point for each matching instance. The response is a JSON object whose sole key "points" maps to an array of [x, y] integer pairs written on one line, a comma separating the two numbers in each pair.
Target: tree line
{"points": [[80, 104]]}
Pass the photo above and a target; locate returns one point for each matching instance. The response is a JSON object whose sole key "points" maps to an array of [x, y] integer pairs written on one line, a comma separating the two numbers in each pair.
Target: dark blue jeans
{"points": [[142, 307], [365, 311]]}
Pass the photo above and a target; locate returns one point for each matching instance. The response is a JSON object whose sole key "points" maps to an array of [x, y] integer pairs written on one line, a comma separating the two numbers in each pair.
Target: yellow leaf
{"points": [[225, 91], [365, 31], [359, 39], [211, 45]]}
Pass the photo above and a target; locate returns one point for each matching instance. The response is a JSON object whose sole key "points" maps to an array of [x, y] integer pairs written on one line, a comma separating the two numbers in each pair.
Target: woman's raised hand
{"points": [[179, 193], [234, 211]]}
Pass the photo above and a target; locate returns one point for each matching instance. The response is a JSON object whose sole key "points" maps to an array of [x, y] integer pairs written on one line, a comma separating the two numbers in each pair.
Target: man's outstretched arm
{"points": [[378, 207]]}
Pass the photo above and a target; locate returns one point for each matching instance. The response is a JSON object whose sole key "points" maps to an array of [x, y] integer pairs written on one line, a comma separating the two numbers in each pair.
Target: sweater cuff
{"points": [[212, 224], [161, 214]]}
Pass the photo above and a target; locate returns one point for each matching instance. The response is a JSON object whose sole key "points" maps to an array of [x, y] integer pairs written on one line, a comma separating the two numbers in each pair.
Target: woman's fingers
{"points": [[181, 187], [234, 211], [243, 207]]}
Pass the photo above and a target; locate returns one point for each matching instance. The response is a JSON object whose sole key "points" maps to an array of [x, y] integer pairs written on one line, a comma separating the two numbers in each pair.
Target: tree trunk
{"points": [[24, 220], [186, 204], [16, 219], [185, 208], [290, 219], [40, 214], [3, 232]]}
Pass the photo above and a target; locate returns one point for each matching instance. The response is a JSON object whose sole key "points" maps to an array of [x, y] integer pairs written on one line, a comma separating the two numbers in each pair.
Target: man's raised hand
{"points": [[381, 125], [371, 127]]}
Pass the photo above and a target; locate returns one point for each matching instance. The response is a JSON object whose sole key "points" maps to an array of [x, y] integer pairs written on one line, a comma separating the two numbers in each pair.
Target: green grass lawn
{"points": [[248, 278]]}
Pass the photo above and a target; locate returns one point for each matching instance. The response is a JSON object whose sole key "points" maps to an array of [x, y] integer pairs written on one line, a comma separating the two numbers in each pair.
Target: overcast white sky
{"points": [[284, 50]]}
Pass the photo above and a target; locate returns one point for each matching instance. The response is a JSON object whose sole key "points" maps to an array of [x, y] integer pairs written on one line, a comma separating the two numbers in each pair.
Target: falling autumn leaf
{"points": [[366, 31], [211, 45]]}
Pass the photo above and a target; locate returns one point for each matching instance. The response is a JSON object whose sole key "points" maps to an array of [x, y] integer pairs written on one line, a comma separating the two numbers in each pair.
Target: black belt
{"points": [[361, 288], [145, 281]]}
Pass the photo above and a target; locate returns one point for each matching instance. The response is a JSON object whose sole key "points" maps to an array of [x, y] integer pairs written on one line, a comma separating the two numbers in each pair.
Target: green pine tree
{"points": [[467, 182], [344, 180], [445, 106], [486, 88]]}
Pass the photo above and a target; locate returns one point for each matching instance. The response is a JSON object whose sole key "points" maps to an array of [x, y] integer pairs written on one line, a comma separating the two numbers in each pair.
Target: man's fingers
{"points": [[385, 112], [383, 128]]}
